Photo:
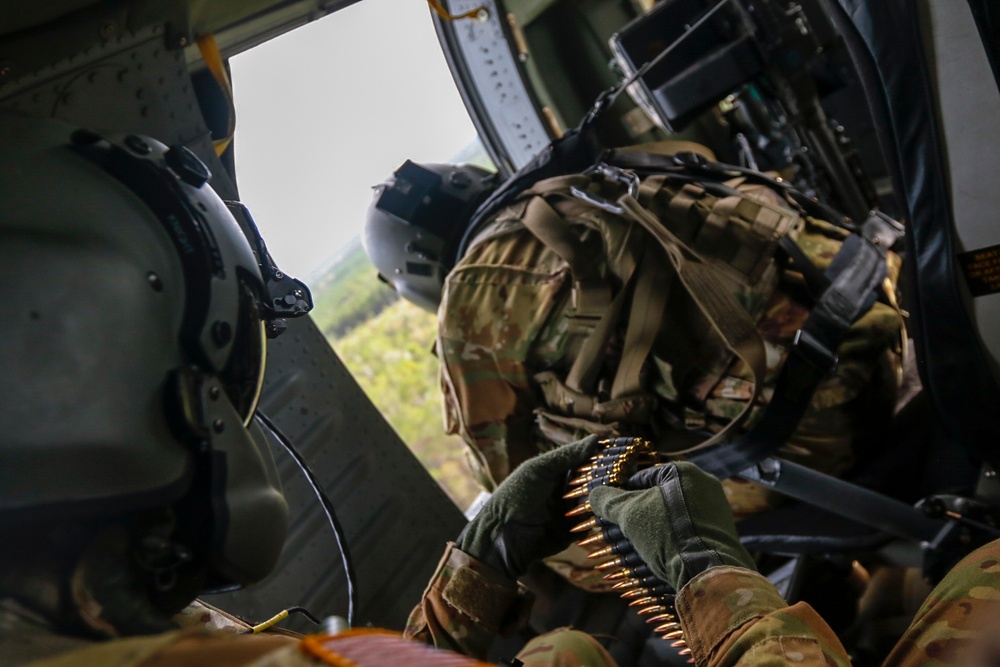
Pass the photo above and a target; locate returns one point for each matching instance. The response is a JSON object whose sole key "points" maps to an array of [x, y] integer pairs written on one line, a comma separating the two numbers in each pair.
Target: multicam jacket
{"points": [[507, 329]]}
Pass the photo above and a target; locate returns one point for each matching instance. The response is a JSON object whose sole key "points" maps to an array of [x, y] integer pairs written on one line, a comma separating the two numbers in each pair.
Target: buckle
{"points": [[813, 352], [614, 174], [617, 175]]}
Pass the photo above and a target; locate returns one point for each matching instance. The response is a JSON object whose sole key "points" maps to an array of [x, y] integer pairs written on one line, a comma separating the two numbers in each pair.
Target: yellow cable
{"points": [[213, 60], [274, 620], [478, 13]]}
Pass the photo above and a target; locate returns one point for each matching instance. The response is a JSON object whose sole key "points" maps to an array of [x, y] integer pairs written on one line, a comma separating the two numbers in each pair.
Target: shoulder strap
{"points": [[591, 292], [725, 315]]}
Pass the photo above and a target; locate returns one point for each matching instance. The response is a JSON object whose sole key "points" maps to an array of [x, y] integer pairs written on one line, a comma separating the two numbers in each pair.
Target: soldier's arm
{"points": [[735, 616], [467, 604]]}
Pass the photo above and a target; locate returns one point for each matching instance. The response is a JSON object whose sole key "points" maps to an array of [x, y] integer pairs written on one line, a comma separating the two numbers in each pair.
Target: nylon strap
{"points": [[645, 319], [725, 315], [591, 293], [212, 56], [813, 354], [586, 367]]}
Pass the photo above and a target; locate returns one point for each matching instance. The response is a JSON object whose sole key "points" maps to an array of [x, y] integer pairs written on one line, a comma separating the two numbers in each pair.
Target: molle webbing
{"points": [[723, 226]]}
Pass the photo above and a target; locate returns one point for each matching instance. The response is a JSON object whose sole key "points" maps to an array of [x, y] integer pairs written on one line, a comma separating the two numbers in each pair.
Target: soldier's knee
{"points": [[565, 648]]}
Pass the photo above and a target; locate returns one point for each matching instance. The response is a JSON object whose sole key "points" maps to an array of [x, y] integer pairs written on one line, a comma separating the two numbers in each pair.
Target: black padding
{"points": [[883, 38]]}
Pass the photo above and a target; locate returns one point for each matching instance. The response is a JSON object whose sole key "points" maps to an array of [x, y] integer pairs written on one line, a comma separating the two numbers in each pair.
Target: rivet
{"points": [[218, 426], [214, 393], [138, 145], [222, 333], [154, 281]]}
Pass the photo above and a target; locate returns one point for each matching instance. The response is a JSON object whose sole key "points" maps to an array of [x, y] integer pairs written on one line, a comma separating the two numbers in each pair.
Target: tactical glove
{"points": [[525, 520], [678, 520]]}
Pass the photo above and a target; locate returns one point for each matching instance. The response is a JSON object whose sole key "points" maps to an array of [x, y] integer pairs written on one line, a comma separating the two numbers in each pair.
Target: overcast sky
{"points": [[328, 110]]}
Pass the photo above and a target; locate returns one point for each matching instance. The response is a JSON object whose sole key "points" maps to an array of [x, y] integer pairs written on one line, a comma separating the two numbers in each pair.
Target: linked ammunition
{"points": [[635, 582]]}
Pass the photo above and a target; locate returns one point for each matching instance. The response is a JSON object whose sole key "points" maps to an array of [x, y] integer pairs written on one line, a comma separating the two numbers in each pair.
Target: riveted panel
{"points": [[131, 82]]}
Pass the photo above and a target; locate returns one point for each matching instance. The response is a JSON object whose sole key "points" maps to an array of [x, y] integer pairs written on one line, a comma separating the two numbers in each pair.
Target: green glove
{"points": [[678, 520], [525, 519]]}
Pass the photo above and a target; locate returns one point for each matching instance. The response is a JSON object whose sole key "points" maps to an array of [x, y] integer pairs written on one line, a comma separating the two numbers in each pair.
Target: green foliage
{"points": [[386, 343], [390, 357], [349, 293]]}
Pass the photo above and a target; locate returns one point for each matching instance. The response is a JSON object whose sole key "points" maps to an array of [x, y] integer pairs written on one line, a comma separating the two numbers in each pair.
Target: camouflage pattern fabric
{"points": [[466, 604], [733, 616], [959, 622], [565, 647], [505, 328]]}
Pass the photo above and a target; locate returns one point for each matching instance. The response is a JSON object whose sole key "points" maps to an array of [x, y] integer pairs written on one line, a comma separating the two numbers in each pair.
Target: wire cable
{"points": [[477, 13], [608, 97], [338, 530], [277, 618]]}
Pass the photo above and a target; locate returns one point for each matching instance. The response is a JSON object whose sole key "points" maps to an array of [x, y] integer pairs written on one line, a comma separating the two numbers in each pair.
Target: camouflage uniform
{"points": [[504, 325], [733, 616]]}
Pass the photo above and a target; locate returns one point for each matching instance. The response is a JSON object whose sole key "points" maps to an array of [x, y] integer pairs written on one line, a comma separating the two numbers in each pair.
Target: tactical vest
{"points": [[711, 309]]}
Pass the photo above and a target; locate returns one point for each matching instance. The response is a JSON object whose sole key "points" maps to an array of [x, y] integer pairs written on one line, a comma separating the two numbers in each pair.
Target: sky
{"points": [[332, 108]]}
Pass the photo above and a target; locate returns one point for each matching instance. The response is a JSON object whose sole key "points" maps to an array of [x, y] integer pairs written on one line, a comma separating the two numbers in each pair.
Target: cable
{"points": [[608, 97], [479, 13], [338, 530], [277, 618]]}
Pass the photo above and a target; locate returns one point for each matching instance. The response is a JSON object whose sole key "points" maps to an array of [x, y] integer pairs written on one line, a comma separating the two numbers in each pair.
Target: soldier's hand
{"points": [[678, 520], [525, 520]]}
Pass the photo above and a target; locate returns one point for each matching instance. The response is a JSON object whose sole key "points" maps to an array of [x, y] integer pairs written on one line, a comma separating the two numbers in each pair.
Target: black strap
{"points": [[572, 153], [813, 353]]}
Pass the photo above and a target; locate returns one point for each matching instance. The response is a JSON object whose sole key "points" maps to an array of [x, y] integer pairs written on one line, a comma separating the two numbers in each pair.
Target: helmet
{"points": [[415, 223], [134, 352]]}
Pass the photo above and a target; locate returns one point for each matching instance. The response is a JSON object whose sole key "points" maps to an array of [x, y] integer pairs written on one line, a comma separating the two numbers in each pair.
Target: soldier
{"points": [[520, 307], [132, 473], [679, 521]]}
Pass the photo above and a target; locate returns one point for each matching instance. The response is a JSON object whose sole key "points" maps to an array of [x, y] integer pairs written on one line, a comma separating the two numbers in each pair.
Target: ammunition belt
{"points": [[654, 598]]}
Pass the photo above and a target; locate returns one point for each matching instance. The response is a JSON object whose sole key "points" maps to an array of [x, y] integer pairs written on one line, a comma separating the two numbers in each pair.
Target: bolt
{"points": [[460, 180], [108, 30], [222, 333], [187, 166], [214, 393], [182, 41], [278, 275], [138, 145], [218, 426], [154, 281]]}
